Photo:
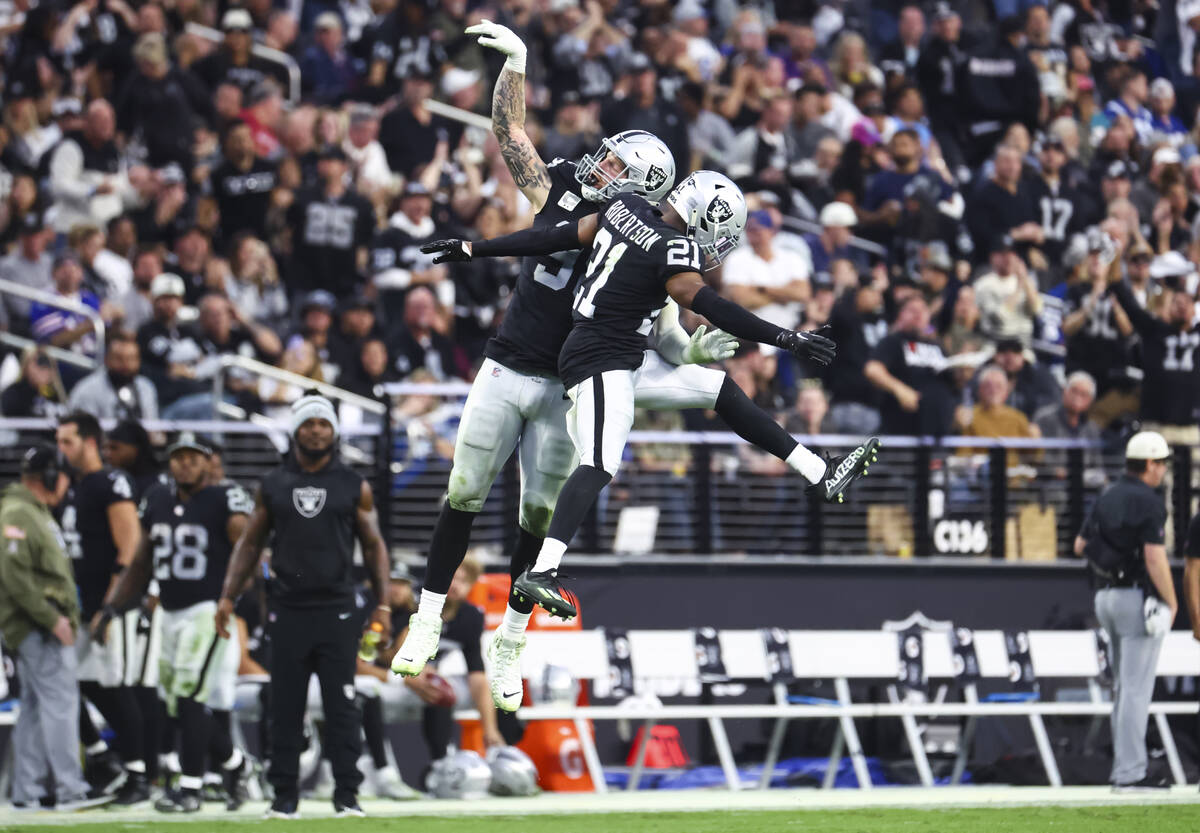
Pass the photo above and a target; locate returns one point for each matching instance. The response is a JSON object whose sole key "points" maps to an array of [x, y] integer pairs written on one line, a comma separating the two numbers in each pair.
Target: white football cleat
{"points": [[419, 647], [389, 784], [505, 677]]}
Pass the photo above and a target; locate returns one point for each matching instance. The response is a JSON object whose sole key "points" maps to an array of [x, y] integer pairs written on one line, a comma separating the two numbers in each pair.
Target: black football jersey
{"points": [[539, 314], [326, 234], [623, 288], [84, 521], [190, 540], [244, 197]]}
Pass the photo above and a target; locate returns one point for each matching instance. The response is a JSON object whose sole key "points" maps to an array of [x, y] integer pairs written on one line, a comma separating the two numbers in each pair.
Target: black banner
{"points": [[620, 662], [966, 661], [1020, 666], [912, 659], [709, 663], [779, 655]]}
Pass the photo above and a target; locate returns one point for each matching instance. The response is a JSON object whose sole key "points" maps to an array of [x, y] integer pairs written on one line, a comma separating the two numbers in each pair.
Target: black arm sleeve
{"points": [[733, 319], [530, 241], [1142, 321]]}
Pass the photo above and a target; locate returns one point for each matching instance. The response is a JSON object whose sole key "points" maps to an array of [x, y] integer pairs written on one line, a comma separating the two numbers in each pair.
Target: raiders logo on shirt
{"points": [[308, 500]]}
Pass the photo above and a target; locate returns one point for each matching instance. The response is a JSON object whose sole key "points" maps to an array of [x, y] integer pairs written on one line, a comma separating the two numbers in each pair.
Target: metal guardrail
{"points": [[264, 52], [56, 353], [288, 378], [447, 111], [801, 224], [51, 300]]}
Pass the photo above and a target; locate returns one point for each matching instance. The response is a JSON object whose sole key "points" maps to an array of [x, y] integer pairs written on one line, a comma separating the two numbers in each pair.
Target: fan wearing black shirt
{"points": [[233, 62], [331, 227], [397, 262], [907, 366], [242, 184], [100, 526], [856, 326]]}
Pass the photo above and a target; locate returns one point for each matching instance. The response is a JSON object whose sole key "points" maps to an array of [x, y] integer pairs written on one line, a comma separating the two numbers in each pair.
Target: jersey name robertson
{"points": [[539, 313], [623, 288], [190, 540]]}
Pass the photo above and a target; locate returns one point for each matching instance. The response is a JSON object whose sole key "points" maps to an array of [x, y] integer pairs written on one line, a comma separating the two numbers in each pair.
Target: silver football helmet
{"points": [[513, 773], [461, 774], [714, 210], [649, 168]]}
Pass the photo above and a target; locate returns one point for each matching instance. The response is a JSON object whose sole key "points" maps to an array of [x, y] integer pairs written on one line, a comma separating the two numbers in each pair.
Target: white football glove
{"points": [[1158, 616], [502, 39], [705, 348]]}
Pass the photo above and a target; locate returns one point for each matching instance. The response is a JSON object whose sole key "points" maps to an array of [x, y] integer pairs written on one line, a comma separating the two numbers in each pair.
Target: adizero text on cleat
{"points": [[546, 590], [843, 471]]}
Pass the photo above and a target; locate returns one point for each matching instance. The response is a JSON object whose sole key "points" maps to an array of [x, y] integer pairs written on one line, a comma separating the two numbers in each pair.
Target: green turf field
{"points": [[1126, 819]]}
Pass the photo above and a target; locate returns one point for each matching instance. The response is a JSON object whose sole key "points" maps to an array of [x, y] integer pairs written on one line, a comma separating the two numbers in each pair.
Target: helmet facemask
{"points": [[589, 169]]}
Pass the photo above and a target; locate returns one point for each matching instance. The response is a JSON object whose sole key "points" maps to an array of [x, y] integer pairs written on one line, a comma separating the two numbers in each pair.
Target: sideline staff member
{"points": [[317, 506], [1122, 540], [39, 615]]}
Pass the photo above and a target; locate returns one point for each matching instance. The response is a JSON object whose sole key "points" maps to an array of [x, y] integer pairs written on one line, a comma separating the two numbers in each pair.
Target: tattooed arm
{"points": [[508, 114]]}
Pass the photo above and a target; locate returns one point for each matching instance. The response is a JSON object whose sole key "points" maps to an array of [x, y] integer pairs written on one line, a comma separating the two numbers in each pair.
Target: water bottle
{"points": [[368, 649]]}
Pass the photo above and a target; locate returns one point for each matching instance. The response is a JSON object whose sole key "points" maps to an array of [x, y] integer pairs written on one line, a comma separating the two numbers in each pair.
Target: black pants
{"points": [[304, 641]]}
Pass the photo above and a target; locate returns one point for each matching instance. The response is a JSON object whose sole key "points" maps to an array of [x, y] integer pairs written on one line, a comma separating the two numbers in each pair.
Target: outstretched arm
{"points": [[674, 344], [528, 170], [528, 242], [690, 291]]}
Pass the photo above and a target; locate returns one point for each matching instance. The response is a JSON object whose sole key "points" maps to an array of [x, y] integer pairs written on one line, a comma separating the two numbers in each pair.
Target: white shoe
{"points": [[389, 784], [324, 786], [419, 647], [505, 678]]}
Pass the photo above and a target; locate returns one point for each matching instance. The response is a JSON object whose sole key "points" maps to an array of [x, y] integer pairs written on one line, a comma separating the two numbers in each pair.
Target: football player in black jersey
{"points": [[100, 526], [517, 400], [190, 529], [641, 258]]}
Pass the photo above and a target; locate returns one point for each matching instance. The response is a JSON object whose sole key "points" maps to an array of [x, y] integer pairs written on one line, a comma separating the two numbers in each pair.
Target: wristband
{"points": [[384, 607], [516, 62]]}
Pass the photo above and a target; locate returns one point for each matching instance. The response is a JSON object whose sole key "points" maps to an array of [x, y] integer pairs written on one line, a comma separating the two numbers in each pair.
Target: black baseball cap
{"points": [[40, 460], [189, 441]]}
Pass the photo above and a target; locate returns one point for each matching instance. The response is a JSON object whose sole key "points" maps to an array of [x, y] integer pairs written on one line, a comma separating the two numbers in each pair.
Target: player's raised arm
{"points": [[689, 290], [531, 241], [508, 114]]}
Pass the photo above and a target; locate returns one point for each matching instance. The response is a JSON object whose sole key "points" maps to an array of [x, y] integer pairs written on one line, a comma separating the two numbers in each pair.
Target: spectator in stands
{"points": [[161, 104], [642, 108], [762, 156], [858, 324], [326, 70], [833, 243], [417, 344], [1094, 325], [253, 283], [1003, 206], [356, 323], [233, 62], [117, 390], [88, 182], [990, 417], [807, 127], [161, 340], [397, 262], [38, 391], [907, 365], [29, 264], [368, 162], [165, 218], [1068, 420], [331, 227], [1031, 385], [63, 327], [811, 414], [760, 276], [243, 184], [898, 60], [409, 133], [1165, 125], [373, 367], [1007, 295]]}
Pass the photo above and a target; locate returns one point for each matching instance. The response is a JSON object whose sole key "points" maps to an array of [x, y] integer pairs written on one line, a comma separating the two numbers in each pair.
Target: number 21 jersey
{"points": [[190, 540], [623, 288]]}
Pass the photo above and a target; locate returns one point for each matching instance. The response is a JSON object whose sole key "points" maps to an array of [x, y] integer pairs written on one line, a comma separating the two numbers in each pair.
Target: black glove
{"points": [[808, 345], [448, 251], [100, 625]]}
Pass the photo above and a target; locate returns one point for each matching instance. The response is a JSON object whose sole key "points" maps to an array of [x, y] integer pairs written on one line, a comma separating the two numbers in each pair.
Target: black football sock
{"points": [[437, 725], [526, 552], [89, 735], [150, 708], [372, 719], [752, 423], [220, 741], [451, 536], [195, 725], [119, 707], [577, 497]]}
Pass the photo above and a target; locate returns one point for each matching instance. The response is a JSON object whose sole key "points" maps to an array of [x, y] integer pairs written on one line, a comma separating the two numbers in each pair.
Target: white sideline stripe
{"points": [[656, 801]]}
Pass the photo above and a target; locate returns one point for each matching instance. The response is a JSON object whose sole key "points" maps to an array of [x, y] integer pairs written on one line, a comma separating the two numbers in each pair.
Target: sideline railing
{"points": [[51, 300]]}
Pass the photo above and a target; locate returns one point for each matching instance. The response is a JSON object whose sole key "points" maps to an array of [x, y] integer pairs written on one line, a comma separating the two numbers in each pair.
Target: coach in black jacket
{"points": [[317, 507]]}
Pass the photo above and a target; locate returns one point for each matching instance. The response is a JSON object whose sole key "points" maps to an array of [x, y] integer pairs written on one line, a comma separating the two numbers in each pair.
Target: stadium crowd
{"points": [[948, 186]]}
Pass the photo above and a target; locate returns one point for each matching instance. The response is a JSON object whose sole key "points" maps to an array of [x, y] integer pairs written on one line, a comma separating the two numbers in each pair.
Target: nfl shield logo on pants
{"points": [[308, 500]]}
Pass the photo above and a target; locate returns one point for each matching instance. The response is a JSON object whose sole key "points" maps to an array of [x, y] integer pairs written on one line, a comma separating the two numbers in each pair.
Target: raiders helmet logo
{"points": [[308, 500], [655, 178], [718, 210]]}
